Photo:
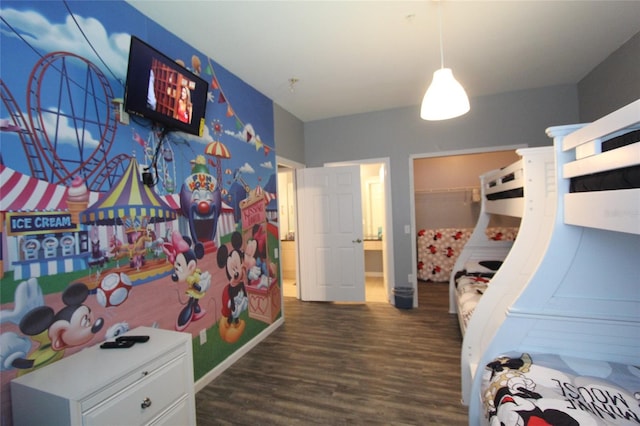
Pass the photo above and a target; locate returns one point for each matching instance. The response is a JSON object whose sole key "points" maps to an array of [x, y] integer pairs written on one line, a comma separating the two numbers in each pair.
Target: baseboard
{"points": [[220, 368], [373, 274]]}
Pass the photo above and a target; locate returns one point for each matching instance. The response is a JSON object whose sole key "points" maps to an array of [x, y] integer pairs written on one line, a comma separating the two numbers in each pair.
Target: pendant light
{"points": [[445, 98]]}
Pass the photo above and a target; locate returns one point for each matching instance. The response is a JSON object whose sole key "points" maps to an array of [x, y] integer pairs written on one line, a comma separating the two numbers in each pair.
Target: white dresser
{"points": [[150, 383]]}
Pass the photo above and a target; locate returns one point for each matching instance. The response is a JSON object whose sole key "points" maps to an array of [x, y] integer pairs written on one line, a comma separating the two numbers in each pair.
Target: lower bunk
{"points": [[566, 348], [496, 269], [551, 389], [471, 283]]}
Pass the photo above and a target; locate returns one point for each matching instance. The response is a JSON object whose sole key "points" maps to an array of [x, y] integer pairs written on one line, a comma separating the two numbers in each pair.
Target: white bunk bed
{"points": [[569, 343], [519, 190], [535, 173]]}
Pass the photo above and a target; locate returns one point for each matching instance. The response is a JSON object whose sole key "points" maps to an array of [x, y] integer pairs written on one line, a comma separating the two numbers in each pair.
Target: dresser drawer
{"points": [[143, 400], [179, 414], [118, 384]]}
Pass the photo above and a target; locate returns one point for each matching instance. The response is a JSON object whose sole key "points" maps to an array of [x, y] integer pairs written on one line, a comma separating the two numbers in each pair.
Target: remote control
{"points": [[135, 339], [117, 345]]}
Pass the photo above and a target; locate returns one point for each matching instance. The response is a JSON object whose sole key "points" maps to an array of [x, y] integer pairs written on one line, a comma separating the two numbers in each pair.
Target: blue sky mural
{"points": [[92, 31], [64, 66]]}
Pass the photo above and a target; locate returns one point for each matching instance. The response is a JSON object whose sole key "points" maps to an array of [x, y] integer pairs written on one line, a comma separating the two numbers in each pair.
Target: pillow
{"points": [[494, 265], [474, 267]]}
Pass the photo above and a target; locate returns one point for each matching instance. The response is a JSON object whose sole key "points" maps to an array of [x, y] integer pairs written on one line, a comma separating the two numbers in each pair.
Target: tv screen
{"points": [[160, 89]]}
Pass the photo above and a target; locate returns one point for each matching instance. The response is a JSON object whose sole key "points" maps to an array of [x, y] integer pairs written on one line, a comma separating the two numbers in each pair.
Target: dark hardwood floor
{"points": [[337, 364]]}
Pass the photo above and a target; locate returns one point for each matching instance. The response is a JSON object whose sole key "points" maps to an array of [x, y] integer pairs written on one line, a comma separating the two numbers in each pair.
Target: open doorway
{"points": [[445, 195], [377, 222], [288, 226], [377, 229], [373, 220]]}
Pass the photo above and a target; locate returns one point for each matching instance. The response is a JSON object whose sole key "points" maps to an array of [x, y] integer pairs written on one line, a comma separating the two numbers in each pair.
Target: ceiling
{"points": [[352, 56]]}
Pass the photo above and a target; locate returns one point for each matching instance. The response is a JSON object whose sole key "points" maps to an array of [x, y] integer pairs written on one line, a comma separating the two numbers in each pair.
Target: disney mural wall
{"points": [[89, 251]]}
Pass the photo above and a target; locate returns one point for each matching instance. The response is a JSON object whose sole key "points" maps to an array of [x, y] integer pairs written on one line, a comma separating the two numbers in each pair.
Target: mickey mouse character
{"points": [[515, 401], [234, 295], [260, 273], [73, 325]]}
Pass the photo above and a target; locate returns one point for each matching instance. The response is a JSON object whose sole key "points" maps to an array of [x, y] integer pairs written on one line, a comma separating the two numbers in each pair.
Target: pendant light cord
{"points": [[440, 30]]}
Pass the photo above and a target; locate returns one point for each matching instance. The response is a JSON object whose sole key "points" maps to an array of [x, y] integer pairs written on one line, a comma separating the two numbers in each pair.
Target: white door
{"points": [[330, 228]]}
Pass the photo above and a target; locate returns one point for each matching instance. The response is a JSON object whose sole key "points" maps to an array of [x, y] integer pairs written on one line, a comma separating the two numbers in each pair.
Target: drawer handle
{"points": [[146, 403]]}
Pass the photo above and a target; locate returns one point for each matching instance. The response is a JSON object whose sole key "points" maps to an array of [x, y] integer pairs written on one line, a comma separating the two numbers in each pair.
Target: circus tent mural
{"points": [[128, 199], [75, 212], [134, 213]]}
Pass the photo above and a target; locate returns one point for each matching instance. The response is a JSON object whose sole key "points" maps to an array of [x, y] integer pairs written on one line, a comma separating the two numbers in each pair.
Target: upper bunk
{"points": [[503, 189], [583, 298], [480, 246], [604, 172], [519, 190]]}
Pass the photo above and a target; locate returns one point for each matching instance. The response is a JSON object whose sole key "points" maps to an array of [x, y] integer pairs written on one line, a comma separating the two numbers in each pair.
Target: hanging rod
{"points": [[445, 190]]}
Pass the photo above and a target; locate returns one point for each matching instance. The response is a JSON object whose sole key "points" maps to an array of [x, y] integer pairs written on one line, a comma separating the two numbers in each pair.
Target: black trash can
{"points": [[403, 297]]}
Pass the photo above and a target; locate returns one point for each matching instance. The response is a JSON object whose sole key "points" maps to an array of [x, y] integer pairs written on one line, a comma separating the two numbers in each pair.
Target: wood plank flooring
{"points": [[338, 364]]}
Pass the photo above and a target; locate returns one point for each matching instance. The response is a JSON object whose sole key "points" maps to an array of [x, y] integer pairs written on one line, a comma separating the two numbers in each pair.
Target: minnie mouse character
{"points": [[185, 270]]}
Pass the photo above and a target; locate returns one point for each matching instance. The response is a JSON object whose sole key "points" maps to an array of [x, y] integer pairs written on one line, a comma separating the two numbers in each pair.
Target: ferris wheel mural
{"points": [[70, 131], [165, 164]]}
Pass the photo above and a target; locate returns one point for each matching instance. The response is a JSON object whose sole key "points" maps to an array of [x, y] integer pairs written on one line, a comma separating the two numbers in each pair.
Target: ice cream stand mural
{"points": [[82, 231]]}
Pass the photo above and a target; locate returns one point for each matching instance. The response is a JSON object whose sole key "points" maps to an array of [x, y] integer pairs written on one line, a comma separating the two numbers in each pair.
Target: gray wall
{"points": [[289, 135], [505, 119], [612, 84]]}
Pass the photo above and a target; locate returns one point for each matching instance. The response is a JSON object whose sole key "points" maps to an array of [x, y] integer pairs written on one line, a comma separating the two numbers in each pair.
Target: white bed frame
{"points": [[479, 246], [534, 173], [583, 298]]}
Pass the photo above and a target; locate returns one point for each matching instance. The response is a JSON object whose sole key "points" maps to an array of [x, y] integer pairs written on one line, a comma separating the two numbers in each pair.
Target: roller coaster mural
{"points": [[84, 98], [60, 110]]}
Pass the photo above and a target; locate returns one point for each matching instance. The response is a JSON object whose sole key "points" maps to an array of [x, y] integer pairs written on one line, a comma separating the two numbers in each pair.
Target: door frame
{"points": [[412, 193], [292, 165], [387, 240]]}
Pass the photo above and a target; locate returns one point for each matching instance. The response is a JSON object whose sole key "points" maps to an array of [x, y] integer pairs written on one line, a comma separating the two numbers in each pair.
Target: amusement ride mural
{"points": [[111, 221]]}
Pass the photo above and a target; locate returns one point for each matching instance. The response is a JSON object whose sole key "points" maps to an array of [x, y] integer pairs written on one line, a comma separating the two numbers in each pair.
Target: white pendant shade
{"points": [[445, 98]]}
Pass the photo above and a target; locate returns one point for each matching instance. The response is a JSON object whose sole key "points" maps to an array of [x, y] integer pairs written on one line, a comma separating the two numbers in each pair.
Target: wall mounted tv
{"points": [[160, 89]]}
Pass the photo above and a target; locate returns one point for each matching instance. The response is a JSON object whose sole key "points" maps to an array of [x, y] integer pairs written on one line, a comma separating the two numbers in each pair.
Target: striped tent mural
{"points": [[129, 198], [23, 193]]}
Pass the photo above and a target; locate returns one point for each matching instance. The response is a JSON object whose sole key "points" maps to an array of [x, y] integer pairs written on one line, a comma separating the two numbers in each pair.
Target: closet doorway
{"points": [[446, 194]]}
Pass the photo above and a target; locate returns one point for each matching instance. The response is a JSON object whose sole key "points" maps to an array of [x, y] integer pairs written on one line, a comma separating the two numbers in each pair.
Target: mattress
{"points": [[471, 283], [625, 178], [549, 389], [622, 140], [510, 193]]}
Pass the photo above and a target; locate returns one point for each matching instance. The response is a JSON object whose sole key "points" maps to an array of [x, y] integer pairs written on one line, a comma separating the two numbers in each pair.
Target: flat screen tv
{"points": [[160, 89]]}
